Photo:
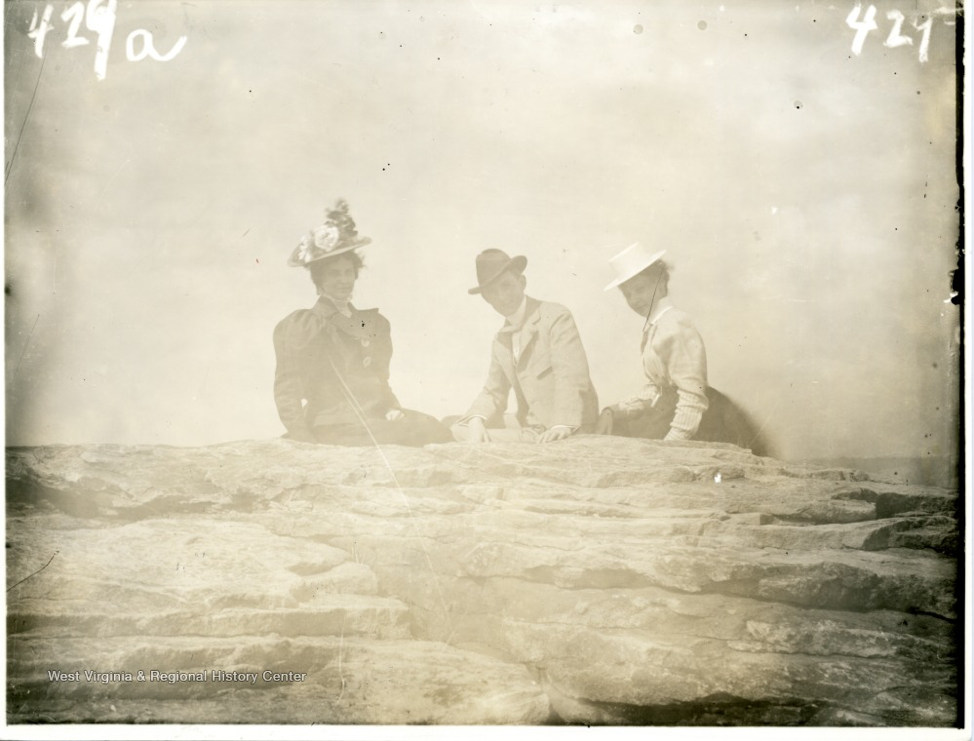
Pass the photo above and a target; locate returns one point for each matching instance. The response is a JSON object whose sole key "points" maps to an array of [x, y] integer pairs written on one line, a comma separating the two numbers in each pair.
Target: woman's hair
{"points": [[658, 271], [317, 268]]}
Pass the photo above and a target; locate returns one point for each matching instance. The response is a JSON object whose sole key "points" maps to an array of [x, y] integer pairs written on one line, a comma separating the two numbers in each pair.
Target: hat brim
{"points": [[516, 264], [294, 263], [633, 270]]}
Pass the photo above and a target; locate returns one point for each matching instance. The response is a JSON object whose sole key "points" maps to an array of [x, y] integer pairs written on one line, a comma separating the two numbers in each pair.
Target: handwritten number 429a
{"points": [[98, 16]]}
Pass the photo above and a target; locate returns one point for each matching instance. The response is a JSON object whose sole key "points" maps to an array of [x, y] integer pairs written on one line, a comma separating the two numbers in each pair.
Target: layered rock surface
{"points": [[593, 580]]}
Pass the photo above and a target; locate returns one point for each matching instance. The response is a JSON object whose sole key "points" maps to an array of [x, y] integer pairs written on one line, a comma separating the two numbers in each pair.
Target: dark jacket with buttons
{"points": [[324, 361]]}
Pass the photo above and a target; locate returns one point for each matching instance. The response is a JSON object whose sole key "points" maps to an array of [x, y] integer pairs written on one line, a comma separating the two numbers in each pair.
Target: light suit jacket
{"points": [[550, 380]]}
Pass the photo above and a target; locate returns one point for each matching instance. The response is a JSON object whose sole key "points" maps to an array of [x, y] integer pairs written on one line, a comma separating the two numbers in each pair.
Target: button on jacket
{"points": [[323, 358], [550, 377]]}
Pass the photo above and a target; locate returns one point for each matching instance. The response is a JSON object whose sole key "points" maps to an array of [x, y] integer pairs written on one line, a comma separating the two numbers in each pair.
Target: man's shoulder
{"points": [[551, 310]]}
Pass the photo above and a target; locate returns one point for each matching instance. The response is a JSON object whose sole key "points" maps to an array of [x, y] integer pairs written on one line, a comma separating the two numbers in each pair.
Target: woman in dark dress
{"points": [[676, 402], [332, 379]]}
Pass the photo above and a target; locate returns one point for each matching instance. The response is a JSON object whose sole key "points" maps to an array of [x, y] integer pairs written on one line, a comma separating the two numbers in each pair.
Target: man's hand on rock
{"points": [[393, 414], [558, 432]]}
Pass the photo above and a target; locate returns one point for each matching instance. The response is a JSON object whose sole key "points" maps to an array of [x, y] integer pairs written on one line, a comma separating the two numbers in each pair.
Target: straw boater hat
{"points": [[492, 263], [335, 237], [631, 262]]}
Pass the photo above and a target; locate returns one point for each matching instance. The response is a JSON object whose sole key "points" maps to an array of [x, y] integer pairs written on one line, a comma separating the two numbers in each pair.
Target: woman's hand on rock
{"points": [[477, 431]]}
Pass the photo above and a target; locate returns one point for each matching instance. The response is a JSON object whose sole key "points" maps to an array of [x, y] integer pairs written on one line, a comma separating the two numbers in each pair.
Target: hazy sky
{"points": [[805, 195]]}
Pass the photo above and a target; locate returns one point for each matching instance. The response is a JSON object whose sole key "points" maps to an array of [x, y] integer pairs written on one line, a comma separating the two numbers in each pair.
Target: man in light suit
{"points": [[538, 354]]}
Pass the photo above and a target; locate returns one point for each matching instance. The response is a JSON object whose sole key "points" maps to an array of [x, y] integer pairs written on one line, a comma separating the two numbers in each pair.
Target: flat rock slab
{"points": [[593, 580]]}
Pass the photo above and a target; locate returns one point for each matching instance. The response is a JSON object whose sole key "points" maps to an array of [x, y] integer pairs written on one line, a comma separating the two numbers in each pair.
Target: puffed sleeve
{"points": [[292, 338], [680, 347]]}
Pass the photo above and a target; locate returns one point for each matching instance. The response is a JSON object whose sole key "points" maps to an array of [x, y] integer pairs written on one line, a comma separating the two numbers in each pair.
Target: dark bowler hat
{"points": [[492, 263]]}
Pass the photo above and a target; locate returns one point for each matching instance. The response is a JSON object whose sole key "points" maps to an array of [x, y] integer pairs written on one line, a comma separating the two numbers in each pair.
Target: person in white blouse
{"points": [[676, 402]]}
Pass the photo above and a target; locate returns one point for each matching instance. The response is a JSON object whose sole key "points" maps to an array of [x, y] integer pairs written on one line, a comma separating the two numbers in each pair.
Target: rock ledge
{"points": [[593, 580]]}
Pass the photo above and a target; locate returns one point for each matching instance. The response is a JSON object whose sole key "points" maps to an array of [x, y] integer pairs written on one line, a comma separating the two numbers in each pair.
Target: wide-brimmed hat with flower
{"points": [[335, 237], [631, 262]]}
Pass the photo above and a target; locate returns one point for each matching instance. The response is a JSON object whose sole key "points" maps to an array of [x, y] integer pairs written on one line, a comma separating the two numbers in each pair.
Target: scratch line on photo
{"points": [[765, 423], [26, 343], [35, 573], [361, 415], [30, 107]]}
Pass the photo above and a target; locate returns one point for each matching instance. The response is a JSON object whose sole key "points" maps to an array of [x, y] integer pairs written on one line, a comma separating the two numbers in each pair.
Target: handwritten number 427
{"points": [[98, 16], [867, 23]]}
